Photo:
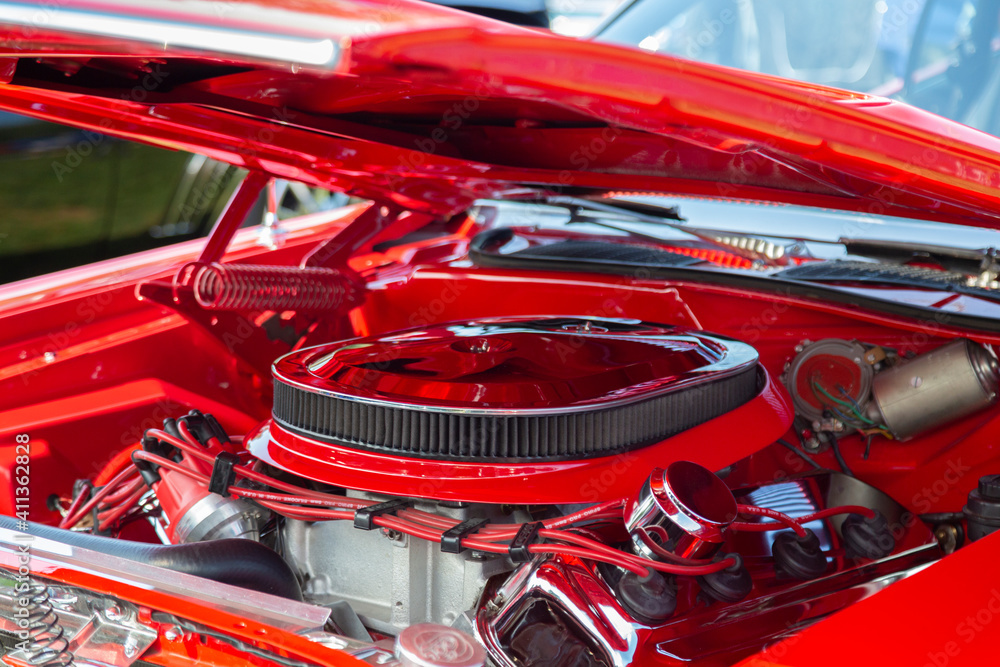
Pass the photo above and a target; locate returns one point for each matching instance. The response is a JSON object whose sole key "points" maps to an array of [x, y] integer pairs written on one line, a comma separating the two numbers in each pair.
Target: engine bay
{"points": [[590, 469]]}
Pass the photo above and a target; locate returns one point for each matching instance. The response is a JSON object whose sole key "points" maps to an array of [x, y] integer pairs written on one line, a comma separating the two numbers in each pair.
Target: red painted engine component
{"points": [[550, 410], [177, 495]]}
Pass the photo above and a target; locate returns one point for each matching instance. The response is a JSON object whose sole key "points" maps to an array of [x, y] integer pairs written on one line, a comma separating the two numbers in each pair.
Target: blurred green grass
{"points": [[119, 190]]}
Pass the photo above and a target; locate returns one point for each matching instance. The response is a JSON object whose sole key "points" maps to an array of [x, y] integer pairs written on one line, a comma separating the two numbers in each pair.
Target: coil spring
{"points": [[48, 644], [250, 287]]}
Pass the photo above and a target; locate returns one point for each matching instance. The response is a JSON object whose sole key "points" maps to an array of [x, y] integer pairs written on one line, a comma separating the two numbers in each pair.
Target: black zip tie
{"points": [[526, 536], [223, 474], [451, 539], [364, 518]]}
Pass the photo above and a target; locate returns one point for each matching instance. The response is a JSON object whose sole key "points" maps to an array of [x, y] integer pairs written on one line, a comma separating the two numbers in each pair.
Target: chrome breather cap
{"points": [[685, 508], [433, 645]]}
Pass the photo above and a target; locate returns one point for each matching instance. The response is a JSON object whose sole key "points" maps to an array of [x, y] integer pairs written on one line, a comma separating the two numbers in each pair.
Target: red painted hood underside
{"points": [[432, 108]]}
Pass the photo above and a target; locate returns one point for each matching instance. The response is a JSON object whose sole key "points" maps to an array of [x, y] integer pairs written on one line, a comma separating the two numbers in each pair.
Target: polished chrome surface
{"points": [[932, 389], [561, 365], [433, 645], [254, 606], [215, 518], [96, 629], [721, 632], [175, 35], [577, 592], [609, 630], [686, 504]]}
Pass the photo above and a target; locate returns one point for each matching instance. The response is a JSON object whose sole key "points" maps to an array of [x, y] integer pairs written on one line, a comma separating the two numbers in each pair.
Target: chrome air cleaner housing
{"points": [[516, 410], [499, 390]]}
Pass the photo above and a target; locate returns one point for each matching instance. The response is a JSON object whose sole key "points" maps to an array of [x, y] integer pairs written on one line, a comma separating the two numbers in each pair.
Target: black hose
{"points": [[840, 457], [242, 563], [805, 457]]}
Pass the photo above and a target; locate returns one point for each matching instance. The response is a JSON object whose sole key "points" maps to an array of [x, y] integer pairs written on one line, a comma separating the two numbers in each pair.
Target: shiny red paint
{"points": [[85, 366], [772, 323], [403, 296], [237, 209], [415, 285], [454, 109]]}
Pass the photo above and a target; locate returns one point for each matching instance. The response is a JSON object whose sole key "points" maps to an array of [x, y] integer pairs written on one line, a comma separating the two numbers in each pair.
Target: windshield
{"points": [[940, 55]]}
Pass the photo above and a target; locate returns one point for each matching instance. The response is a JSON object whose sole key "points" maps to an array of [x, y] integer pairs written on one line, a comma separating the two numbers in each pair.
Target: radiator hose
{"points": [[242, 563]]}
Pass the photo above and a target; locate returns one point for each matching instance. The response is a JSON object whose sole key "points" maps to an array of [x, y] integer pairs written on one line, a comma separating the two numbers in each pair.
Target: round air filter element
{"points": [[512, 390]]}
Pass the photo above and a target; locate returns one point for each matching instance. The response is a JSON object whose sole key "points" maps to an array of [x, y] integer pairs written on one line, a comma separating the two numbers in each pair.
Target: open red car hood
{"points": [[433, 108]]}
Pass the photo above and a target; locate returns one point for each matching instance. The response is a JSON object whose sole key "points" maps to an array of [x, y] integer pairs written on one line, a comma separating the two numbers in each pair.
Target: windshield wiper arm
{"points": [[754, 248], [982, 263]]}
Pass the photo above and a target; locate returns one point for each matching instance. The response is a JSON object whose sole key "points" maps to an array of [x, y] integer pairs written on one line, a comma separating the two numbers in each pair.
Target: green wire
{"points": [[857, 413], [817, 385]]}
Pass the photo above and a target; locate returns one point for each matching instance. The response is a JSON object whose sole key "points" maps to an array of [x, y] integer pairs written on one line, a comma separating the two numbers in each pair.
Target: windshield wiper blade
{"points": [[753, 248], [895, 275], [633, 210], [982, 262]]}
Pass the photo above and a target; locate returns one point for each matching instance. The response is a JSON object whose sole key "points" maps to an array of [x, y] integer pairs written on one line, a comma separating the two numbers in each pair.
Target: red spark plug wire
{"points": [[781, 517], [796, 522], [578, 546]]}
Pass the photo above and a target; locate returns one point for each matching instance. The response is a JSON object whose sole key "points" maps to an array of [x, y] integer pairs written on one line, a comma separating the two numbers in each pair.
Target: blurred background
{"points": [[579, 17]]}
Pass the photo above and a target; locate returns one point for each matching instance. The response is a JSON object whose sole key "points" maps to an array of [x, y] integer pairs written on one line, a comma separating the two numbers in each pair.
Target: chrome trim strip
{"points": [[319, 52]]}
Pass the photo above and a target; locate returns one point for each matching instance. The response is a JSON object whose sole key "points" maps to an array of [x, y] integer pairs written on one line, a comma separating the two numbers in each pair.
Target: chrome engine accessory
{"points": [[214, 518], [683, 510], [501, 390], [252, 287], [932, 389], [830, 374], [431, 645]]}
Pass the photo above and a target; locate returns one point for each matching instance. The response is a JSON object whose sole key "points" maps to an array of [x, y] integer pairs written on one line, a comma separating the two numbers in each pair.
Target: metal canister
{"points": [[685, 508], [930, 390]]}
